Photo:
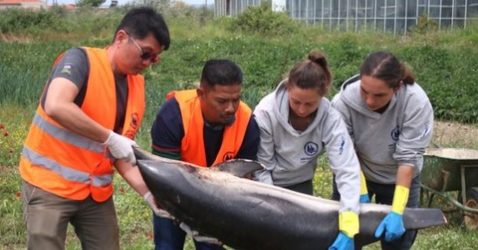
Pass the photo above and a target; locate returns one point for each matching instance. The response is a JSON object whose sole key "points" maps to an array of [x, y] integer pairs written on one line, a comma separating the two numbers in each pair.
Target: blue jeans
{"points": [[169, 236], [384, 195]]}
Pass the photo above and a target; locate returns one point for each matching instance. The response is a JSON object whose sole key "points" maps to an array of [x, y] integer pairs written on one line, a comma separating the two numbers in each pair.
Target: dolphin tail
{"points": [[413, 219], [418, 218]]}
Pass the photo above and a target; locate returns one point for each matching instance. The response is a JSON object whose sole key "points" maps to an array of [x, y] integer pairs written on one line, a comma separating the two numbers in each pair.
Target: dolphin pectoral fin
{"points": [[239, 167], [418, 218]]}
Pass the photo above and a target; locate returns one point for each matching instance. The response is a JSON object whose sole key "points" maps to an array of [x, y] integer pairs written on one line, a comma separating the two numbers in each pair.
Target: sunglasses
{"points": [[145, 55]]}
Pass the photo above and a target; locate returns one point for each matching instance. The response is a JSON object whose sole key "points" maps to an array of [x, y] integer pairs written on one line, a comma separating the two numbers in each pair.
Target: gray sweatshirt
{"points": [[290, 156], [398, 136]]}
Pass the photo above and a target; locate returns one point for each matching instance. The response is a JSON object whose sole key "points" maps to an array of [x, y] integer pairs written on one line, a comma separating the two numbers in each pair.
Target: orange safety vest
{"points": [[192, 144], [72, 166]]}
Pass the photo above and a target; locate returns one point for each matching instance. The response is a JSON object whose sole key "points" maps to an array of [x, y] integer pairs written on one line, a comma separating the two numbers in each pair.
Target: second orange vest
{"points": [[192, 144]]}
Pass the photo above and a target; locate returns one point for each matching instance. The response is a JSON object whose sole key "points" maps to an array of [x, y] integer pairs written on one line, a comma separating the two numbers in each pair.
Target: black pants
{"points": [[303, 187]]}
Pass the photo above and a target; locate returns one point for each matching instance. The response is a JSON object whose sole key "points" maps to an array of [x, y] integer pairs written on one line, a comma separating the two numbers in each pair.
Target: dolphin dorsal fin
{"points": [[239, 167]]}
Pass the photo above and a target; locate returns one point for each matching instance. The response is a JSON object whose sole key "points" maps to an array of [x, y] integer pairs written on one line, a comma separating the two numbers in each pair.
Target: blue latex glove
{"points": [[392, 226], [342, 242], [364, 198]]}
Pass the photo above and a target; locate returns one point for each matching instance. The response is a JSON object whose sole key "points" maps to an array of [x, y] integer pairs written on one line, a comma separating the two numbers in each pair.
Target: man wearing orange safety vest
{"points": [[89, 113], [204, 126]]}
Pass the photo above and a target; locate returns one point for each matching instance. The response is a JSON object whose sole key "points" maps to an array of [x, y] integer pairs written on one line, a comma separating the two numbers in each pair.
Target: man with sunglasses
{"points": [[90, 110]]}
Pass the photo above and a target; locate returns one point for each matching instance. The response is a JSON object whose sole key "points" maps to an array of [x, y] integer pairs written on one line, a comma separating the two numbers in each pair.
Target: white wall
{"points": [[278, 5]]}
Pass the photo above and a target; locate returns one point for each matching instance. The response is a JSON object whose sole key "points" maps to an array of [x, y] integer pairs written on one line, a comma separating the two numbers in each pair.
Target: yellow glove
{"points": [[349, 223], [363, 189], [400, 199]]}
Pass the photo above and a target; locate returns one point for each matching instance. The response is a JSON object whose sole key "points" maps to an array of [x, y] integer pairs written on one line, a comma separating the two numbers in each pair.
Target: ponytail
{"points": [[407, 75], [311, 73], [386, 67]]}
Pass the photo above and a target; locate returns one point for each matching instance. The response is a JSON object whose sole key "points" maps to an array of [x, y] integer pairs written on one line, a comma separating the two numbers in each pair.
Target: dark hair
{"points": [[386, 67], [140, 22], [221, 72], [311, 73]]}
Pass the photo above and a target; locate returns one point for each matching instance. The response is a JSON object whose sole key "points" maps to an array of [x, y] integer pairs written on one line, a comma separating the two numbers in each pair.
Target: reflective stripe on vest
{"points": [[192, 144], [67, 136], [66, 172]]}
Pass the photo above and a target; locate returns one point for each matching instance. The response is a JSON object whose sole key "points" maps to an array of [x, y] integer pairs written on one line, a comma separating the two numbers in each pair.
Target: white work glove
{"points": [[148, 197], [197, 237], [121, 147]]}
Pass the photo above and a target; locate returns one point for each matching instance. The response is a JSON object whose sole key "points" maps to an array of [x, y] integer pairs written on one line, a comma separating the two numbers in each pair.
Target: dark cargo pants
{"points": [[47, 216]]}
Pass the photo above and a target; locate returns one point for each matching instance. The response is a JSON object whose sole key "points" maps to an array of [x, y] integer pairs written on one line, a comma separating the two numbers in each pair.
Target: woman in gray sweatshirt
{"points": [[390, 120], [297, 123]]}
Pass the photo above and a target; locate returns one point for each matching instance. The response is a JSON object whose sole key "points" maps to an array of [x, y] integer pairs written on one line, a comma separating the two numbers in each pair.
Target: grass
{"points": [[445, 64], [135, 217], [443, 61], [13, 126]]}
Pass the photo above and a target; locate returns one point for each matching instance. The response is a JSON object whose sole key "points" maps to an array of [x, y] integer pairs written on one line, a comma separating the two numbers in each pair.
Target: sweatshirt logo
{"points": [[342, 144], [395, 133], [311, 148], [426, 131]]}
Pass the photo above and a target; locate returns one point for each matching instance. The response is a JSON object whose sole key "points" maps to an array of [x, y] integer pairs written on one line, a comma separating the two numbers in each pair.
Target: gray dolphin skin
{"points": [[245, 214]]}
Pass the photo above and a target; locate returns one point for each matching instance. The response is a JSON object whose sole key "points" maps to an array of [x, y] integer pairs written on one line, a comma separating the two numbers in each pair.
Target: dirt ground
{"points": [[453, 134]]}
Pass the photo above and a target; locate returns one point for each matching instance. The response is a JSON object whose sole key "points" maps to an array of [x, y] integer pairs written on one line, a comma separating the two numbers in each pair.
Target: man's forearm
{"points": [[132, 176]]}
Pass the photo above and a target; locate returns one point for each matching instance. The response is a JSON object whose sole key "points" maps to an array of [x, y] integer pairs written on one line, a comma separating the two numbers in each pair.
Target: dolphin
{"points": [[245, 214]]}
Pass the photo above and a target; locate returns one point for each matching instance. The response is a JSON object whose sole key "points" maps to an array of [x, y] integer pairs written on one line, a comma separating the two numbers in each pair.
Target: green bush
{"points": [[424, 25], [262, 20], [59, 23], [14, 20], [447, 75], [93, 3]]}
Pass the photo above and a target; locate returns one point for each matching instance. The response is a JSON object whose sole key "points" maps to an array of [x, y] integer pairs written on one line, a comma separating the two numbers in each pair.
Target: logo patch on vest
{"points": [[133, 125], [228, 156], [311, 148]]}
